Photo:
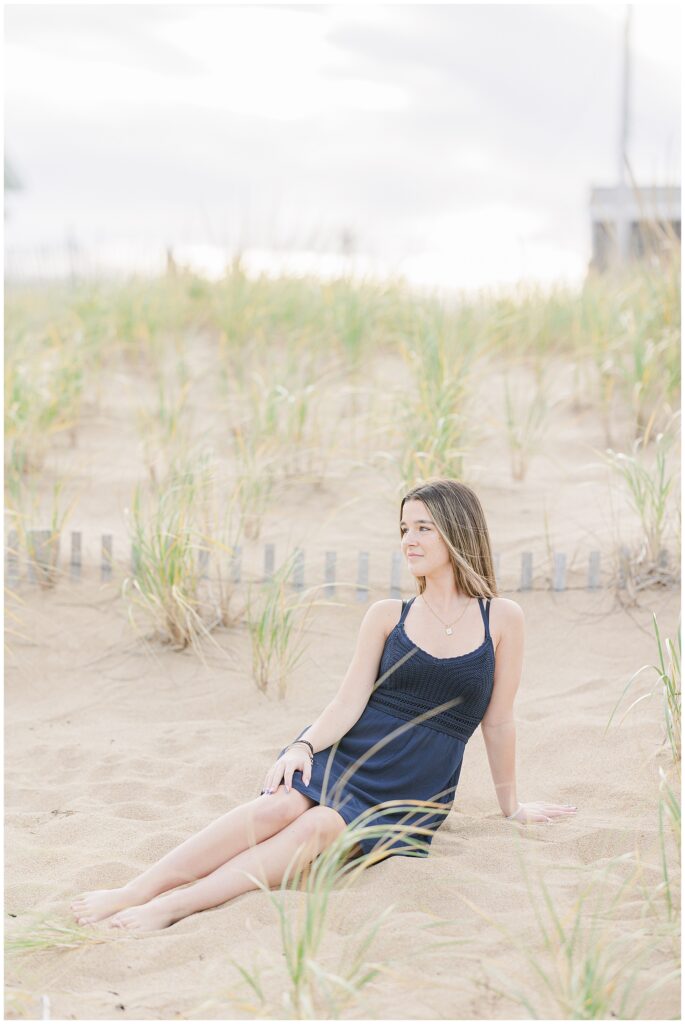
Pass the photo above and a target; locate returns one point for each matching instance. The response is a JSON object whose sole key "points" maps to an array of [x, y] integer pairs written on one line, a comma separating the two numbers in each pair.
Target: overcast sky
{"points": [[456, 142]]}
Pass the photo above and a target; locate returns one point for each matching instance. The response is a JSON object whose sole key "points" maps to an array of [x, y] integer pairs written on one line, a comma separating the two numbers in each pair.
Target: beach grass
{"points": [[667, 686], [256, 477], [168, 545], [165, 428], [649, 475], [526, 417], [276, 620], [670, 823], [588, 959], [44, 935], [284, 346], [314, 983], [434, 416], [38, 524]]}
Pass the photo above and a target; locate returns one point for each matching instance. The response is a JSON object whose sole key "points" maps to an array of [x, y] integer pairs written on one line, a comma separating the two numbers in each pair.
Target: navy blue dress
{"points": [[403, 761]]}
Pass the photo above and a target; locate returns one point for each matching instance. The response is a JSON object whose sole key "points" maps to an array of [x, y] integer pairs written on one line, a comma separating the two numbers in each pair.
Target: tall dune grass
{"points": [[670, 823], [649, 476], [589, 966], [44, 381], [276, 621], [43, 935], [165, 428], [221, 513], [31, 514], [526, 417], [167, 545], [433, 413], [667, 686], [621, 334], [313, 984], [256, 476]]}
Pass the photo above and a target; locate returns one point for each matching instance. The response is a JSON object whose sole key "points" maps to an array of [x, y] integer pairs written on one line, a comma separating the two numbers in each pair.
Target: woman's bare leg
{"points": [[244, 826], [309, 834]]}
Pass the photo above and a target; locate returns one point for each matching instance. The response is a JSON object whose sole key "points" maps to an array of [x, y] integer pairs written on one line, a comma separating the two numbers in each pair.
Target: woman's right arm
{"points": [[346, 707]]}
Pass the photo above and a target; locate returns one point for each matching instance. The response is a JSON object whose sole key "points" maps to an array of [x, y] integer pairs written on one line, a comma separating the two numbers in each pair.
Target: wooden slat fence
{"points": [[41, 563]]}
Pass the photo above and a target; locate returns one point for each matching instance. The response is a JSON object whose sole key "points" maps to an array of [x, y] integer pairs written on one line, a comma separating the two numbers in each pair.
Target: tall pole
{"points": [[623, 197]]}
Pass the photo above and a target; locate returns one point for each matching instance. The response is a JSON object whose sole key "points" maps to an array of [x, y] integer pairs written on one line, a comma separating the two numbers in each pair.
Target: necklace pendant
{"points": [[448, 630]]}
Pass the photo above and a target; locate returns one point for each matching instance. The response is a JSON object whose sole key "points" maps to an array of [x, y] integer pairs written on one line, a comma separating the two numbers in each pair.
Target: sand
{"points": [[114, 755], [118, 749]]}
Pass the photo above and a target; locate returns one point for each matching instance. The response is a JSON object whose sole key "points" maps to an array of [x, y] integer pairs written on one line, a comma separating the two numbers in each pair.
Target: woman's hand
{"points": [[295, 759], [540, 810]]}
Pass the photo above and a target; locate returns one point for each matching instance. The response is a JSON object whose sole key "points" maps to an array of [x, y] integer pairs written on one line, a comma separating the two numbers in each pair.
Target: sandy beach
{"points": [[115, 755], [118, 747]]}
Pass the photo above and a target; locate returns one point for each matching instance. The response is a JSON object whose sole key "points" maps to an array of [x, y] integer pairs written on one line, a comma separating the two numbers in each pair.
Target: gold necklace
{"points": [[448, 628]]}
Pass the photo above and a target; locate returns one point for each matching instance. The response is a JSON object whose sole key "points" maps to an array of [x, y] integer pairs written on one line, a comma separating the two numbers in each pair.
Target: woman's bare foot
{"points": [[94, 906], [158, 913]]}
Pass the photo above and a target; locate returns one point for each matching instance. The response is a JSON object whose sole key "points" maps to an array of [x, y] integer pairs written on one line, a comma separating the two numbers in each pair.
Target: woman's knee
{"points": [[282, 808], [324, 822]]}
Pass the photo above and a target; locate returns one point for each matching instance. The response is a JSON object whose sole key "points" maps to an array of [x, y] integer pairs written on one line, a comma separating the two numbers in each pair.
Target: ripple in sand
{"points": [[139, 812]]}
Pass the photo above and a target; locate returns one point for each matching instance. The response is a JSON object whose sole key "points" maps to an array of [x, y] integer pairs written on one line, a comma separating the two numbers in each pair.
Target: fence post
{"points": [[203, 563], [329, 574], [363, 576], [75, 559], [298, 569], [106, 558], [12, 559], [559, 576], [396, 574], [526, 571], [235, 564], [269, 557], [40, 561]]}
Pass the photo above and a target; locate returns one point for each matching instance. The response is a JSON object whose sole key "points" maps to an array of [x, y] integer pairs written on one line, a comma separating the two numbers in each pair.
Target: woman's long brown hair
{"points": [[460, 520]]}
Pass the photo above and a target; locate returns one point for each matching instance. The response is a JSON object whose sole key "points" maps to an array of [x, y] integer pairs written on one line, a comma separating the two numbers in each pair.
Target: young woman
{"points": [[425, 674]]}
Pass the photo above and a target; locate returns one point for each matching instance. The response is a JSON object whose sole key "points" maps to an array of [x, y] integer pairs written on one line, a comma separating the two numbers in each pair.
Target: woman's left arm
{"points": [[498, 725]]}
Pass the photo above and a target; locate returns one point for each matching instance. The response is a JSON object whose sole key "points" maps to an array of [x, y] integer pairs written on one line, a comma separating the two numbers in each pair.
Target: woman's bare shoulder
{"points": [[505, 606], [506, 617], [386, 613]]}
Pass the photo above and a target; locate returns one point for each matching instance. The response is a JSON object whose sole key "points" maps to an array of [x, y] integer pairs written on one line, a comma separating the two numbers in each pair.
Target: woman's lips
{"points": [[415, 556]]}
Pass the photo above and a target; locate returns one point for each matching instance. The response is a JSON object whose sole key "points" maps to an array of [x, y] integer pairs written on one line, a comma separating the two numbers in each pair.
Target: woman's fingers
{"points": [[552, 811], [273, 778], [540, 811]]}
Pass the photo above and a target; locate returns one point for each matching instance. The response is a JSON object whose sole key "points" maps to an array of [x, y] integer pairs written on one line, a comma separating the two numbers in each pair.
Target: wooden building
{"points": [[652, 218]]}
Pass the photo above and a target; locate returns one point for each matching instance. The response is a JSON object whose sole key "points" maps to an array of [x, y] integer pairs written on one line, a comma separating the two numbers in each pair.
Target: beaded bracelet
{"points": [[307, 743]]}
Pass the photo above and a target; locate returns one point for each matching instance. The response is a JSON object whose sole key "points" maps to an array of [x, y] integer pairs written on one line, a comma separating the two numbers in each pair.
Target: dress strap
{"points": [[485, 612], [406, 605]]}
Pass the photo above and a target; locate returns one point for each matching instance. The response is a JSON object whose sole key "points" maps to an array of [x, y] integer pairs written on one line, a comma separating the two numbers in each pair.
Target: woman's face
{"points": [[422, 546]]}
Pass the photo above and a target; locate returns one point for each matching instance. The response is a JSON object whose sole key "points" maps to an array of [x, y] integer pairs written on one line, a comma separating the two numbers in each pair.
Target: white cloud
{"points": [[447, 136]]}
